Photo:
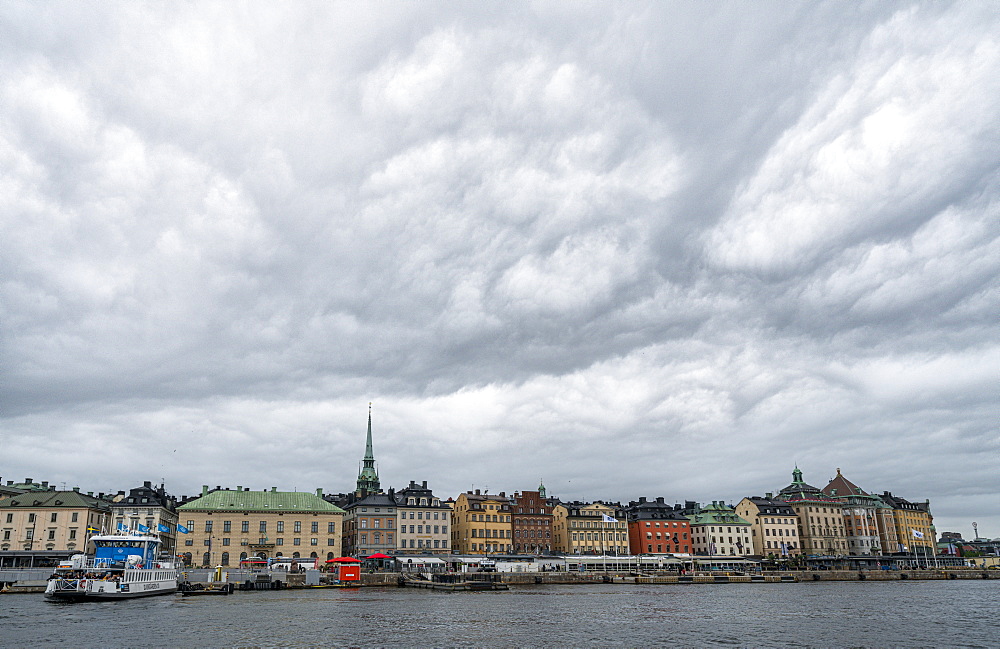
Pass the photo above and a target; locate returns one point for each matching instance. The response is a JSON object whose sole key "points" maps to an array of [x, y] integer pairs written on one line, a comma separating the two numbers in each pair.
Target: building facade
{"points": [[913, 522], [424, 521], [531, 522], [370, 526], [774, 526], [861, 516], [40, 527], [716, 530], [225, 526], [821, 517], [152, 508], [655, 527], [589, 528], [481, 523]]}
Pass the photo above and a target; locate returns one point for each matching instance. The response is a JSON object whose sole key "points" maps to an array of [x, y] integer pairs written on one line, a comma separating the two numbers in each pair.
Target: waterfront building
{"points": [[774, 526], [152, 508], [913, 522], [654, 527], [861, 516], [370, 525], [531, 522], [39, 527], [821, 517], [225, 526], [589, 528], [481, 523], [424, 521], [716, 530]]}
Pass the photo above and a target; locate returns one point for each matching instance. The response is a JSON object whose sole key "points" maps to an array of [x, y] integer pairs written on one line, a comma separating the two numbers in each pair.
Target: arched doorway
{"points": [[225, 558]]}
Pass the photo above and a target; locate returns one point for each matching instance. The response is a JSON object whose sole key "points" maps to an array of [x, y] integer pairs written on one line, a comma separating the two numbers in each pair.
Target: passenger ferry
{"points": [[123, 566]]}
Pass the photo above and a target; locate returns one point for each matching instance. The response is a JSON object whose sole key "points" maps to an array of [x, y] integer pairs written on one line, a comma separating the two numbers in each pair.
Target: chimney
{"points": [[76, 489], [274, 490], [204, 490], [503, 495], [246, 488], [425, 484], [239, 488], [319, 492], [90, 493], [642, 500], [769, 495], [45, 484], [477, 492], [147, 484], [27, 481], [659, 501]]}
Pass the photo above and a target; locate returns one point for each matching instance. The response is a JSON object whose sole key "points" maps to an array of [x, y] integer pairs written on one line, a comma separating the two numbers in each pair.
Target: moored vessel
{"points": [[123, 566]]}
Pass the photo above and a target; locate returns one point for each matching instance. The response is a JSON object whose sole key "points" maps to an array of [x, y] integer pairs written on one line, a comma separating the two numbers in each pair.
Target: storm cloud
{"points": [[660, 249]]}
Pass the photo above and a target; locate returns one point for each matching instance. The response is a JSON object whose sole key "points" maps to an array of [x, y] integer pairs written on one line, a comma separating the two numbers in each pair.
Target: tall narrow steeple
{"points": [[368, 478]]}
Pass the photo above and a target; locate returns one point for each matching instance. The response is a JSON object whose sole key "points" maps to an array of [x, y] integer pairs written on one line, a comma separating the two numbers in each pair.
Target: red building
{"points": [[655, 527], [531, 522]]}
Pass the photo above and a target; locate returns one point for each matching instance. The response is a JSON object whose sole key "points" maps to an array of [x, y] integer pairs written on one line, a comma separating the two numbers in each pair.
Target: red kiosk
{"points": [[347, 568]]}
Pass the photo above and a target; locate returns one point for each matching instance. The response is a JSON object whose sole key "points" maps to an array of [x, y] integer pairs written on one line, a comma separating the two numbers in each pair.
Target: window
{"points": [[279, 541], [298, 527], [54, 516], [72, 535], [313, 541], [31, 518], [10, 518], [330, 528], [227, 526], [315, 527], [225, 540], [329, 542], [189, 542], [52, 535], [74, 517], [225, 556], [296, 541], [263, 527], [245, 527], [208, 526]]}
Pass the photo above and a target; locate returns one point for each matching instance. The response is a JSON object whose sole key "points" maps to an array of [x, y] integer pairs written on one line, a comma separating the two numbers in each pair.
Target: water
{"points": [[906, 614]]}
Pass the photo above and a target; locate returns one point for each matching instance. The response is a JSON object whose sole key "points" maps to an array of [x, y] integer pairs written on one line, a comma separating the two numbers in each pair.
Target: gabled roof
{"points": [[260, 501], [841, 487]]}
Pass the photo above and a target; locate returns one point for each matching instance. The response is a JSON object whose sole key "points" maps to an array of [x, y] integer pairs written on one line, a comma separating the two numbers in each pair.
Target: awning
{"points": [[378, 555], [420, 560], [344, 560]]}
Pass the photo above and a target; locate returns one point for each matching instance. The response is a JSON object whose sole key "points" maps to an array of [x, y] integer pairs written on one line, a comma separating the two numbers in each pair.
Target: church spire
{"points": [[368, 477]]}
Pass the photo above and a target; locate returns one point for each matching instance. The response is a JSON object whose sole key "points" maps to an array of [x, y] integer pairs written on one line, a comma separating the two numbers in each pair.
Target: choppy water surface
{"points": [[833, 614]]}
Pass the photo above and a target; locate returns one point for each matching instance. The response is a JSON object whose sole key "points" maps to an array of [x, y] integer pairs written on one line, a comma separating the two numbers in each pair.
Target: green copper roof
{"points": [[260, 501], [73, 499]]}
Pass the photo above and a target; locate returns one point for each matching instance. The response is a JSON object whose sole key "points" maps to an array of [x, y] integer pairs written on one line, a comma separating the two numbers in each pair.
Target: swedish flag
{"points": [[93, 530]]}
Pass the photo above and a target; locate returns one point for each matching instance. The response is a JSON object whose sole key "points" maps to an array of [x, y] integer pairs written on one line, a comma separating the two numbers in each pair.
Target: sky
{"points": [[622, 248]]}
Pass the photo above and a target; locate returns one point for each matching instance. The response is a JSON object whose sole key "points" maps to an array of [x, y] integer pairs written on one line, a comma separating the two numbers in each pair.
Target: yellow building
{"points": [[589, 528], [227, 525], [44, 526], [481, 523], [774, 526], [914, 524]]}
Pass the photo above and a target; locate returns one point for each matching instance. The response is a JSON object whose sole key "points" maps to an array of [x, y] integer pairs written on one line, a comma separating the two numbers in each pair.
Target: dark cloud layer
{"points": [[646, 249]]}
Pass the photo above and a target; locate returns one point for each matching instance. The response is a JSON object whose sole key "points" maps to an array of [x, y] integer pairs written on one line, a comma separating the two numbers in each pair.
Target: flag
{"points": [[143, 529], [784, 549], [609, 519], [163, 528], [182, 529], [93, 530], [122, 528], [917, 534]]}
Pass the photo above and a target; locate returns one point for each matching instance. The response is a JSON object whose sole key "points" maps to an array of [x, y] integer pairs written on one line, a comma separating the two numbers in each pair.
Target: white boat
{"points": [[123, 566]]}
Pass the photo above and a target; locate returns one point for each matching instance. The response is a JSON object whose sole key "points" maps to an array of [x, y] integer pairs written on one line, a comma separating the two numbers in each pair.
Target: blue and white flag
{"points": [[143, 529], [122, 528], [182, 529], [609, 519], [163, 528], [917, 534]]}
